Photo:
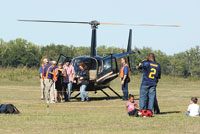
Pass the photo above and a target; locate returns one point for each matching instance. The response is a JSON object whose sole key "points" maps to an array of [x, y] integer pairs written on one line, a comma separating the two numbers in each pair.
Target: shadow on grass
{"points": [[170, 112]]}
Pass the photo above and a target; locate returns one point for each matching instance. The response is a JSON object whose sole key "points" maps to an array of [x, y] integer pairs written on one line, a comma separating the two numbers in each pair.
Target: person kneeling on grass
{"points": [[193, 108], [131, 106]]}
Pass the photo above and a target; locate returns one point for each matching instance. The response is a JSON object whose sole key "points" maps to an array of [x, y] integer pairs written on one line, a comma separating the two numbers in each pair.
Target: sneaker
{"points": [[87, 99], [52, 102]]}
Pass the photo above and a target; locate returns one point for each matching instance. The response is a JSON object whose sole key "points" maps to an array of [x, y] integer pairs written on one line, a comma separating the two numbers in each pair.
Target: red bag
{"points": [[145, 113]]}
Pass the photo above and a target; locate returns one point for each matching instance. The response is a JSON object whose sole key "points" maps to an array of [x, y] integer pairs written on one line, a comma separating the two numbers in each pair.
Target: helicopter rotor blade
{"points": [[55, 21], [140, 24], [77, 22]]}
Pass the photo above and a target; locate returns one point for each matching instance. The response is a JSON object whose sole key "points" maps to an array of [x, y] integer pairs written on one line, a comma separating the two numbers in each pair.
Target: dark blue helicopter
{"points": [[102, 70]]}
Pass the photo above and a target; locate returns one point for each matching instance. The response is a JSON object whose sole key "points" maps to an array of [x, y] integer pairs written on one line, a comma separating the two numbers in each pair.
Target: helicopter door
{"points": [[63, 59], [109, 67]]}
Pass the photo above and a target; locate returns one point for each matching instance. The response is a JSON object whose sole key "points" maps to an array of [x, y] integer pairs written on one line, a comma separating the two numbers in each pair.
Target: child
{"points": [[193, 108], [131, 106]]}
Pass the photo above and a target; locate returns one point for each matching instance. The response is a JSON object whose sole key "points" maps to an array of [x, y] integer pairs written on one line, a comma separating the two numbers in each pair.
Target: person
{"points": [[131, 106], [151, 75], [60, 75], [49, 76], [193, 108], [54, 78], [41, 71], [83, 79], [69, 79], [124, 76]]}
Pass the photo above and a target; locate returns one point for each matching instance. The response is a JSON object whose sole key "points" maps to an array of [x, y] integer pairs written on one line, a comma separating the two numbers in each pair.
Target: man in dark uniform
{"points": [[151, 75]]}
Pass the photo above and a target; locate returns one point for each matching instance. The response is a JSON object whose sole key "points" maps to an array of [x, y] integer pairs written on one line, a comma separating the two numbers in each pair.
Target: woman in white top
{"points": [[193, 108]]}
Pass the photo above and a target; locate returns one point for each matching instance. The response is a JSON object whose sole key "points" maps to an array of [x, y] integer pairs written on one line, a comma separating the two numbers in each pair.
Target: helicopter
{"points": [[102, 69]]}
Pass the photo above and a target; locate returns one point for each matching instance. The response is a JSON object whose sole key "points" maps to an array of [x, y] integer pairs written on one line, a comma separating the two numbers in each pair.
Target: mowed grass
{"points": [[98, 116]]}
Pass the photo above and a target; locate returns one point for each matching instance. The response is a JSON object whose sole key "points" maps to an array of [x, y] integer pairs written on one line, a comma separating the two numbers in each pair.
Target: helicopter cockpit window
{"points": [[107, 63], [91, 63], [63, 59], [100, 66]]}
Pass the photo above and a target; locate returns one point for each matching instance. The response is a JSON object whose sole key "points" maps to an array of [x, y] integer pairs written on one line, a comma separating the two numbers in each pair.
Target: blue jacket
{"points": [[151, 73]]}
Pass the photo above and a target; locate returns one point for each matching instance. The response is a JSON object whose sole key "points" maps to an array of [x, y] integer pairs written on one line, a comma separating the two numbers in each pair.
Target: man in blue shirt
{"points": [[41, 72], [151, 75], [124, 75], [48, 76]]}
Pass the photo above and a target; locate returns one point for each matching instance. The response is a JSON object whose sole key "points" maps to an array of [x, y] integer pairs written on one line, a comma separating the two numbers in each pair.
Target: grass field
{"points": [[98, 116]]}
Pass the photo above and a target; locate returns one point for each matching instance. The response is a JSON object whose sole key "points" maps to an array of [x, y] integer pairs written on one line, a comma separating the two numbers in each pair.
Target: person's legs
{"points": [[56, 95], [156, 107], [86, 95], [52, 96], [64, 88], [42, 89], [187, 113], [133, 113], [151, 95], [83, 93], [48, 84], [125, 91], [143, 97], [69, 85]]}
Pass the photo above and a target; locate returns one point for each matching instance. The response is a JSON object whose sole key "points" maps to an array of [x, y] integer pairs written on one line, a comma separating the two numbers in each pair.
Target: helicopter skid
{"points": [[108, 96]]}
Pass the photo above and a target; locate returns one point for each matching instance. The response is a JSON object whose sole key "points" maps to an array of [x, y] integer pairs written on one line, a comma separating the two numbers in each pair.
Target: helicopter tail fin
{"points": [[129, 41], [129, 48]]}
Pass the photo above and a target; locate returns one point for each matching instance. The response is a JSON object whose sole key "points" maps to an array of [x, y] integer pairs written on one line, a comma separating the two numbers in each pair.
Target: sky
{"points": [[167, 39]]}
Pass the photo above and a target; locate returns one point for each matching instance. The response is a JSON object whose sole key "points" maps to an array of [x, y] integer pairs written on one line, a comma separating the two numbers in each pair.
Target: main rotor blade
{"points": [[140, 24], [55, 21], [77, 22]]}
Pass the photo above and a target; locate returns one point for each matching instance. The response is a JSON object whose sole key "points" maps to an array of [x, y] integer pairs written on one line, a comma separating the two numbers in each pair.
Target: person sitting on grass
{"points": [[131, 106], [193, 108]]}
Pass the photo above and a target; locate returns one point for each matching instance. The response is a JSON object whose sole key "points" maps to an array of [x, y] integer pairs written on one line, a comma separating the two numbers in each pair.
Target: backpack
{"points": [[145, 113], [8, 109]]}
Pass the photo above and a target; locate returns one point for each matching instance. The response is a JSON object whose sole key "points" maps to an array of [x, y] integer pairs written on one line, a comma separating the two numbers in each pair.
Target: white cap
{"points": [[53, 62], [45, 60]]}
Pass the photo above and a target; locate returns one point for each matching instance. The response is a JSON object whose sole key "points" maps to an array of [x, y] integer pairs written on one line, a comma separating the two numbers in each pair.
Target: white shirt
{"points": [[193, 110]]}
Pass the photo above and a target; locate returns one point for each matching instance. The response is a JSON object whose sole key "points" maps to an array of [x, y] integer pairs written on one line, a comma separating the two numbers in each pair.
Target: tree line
{"points": [[20, 52]]}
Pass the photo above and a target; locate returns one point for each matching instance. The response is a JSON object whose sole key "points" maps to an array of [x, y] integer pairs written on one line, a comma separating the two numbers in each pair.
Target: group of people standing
{"points": [[57, 81], [151, 75]]}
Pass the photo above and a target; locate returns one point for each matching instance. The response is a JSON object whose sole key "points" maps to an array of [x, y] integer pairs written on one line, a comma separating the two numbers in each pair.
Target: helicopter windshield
{"points": [[90, 62]]}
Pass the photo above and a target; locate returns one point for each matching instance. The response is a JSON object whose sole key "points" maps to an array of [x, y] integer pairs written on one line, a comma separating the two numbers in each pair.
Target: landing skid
{"points": [[102, 92], [115, 92], [112, 91]]}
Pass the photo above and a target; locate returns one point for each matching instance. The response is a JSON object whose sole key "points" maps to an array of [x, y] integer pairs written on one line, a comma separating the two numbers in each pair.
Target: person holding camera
{"points": [[83, 80], [125, 78], [59, 84]]}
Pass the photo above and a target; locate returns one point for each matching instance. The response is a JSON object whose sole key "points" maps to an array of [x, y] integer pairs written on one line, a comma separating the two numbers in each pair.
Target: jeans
{"points": [[83, 93], [69, 87], [125, 90], [147, 94]]}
